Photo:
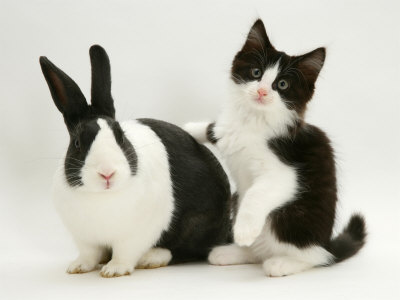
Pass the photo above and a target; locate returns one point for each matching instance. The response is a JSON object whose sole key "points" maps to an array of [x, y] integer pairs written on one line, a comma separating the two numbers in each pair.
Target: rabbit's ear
{"points": [[65, 92], [102, 101]]}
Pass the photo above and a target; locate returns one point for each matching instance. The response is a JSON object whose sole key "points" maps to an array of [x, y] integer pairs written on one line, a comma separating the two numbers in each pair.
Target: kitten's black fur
{"points": [[309, 218]]}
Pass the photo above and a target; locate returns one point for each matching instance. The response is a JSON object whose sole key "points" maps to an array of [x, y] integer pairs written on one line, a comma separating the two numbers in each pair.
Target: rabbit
{"points": [[142, 190]]}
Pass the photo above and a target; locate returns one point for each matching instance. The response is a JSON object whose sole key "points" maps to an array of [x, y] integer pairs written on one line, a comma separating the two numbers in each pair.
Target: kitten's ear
{"points": [[102, 101], [66, 94], [257, 36], [311, 64]]}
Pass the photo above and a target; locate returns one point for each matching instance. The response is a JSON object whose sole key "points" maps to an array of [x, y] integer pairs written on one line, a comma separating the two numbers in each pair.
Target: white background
{"points": [[170, 60]]}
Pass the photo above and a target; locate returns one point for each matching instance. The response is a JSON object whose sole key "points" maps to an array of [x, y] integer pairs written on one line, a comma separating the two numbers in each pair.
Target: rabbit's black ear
{"points": [[102, 101], [65, 92]]}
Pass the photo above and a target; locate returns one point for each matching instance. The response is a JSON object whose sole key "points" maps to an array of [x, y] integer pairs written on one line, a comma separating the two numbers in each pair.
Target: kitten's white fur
{"points": [[131, 215], [155, 258], [264, 183]]}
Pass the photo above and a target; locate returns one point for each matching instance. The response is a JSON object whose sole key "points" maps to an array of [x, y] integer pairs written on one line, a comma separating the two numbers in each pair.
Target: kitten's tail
{"points": [[350, 241]]}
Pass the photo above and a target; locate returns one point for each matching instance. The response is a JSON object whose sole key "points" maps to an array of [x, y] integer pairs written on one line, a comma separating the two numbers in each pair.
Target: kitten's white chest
{"points": [[247, 156]]}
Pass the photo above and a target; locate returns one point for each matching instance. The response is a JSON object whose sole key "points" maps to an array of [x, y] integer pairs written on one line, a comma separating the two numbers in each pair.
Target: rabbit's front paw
{"points": [[81, 266], [116, 269]]}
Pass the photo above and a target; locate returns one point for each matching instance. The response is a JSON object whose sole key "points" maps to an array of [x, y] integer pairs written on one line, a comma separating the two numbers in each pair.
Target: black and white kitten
{"points": [[284, 168]]}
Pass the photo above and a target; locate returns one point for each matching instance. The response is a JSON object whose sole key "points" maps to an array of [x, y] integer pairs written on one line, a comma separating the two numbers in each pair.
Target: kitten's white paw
{"points": [[154, 258], [81, 266], [230, 255], [282, 266], [115, 269], [198, 130], [246, 230], [221, 256], [193, 127]]}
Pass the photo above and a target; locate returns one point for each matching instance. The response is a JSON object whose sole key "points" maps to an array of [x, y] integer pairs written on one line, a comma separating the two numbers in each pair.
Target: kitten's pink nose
{"points": [[107, 176], [261, 93]]}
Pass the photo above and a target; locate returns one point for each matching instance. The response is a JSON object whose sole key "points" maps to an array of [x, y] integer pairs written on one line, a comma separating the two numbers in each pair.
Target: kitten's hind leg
{"points": [[296, 260], [231, 255], [154, 258], [278, 266]]}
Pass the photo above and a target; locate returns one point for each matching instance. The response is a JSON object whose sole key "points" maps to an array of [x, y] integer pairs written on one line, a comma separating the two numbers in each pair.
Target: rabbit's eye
{"points": [[77, 144]]}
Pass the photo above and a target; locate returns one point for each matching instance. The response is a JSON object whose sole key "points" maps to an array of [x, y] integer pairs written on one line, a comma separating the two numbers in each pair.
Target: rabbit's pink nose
{"points": [[107, 176], [261, 93]]}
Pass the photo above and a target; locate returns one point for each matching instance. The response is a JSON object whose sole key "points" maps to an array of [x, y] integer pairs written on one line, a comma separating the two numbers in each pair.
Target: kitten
{"points": [[284, 168]]}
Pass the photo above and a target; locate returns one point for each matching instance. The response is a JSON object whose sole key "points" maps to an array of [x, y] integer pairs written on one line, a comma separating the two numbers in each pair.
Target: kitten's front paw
{"points": [[79, 266], [197, 130], [192, 127], [246, 230], [154, 258], [114, 269]]}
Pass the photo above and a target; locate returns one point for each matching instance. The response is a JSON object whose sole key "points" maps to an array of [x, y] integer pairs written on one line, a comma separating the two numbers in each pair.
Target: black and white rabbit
{"points": [[143, 189]]}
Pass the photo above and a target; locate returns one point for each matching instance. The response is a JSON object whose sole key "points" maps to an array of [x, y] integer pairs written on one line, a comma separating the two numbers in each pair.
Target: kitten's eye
{"points": [[77, 144], [283, 84], [256, 73]]}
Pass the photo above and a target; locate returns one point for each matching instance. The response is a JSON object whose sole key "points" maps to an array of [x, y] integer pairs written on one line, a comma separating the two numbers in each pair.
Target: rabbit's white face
{"points": [[106, 166], [99, 157]]}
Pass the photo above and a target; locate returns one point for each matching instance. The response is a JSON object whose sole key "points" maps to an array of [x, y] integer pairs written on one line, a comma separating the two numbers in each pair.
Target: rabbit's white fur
{"points": [[131, 215]]}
